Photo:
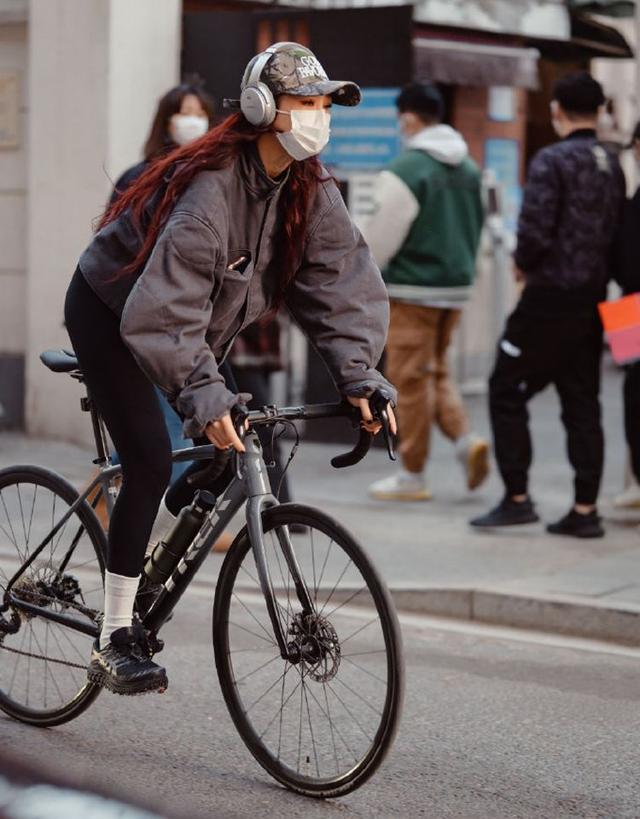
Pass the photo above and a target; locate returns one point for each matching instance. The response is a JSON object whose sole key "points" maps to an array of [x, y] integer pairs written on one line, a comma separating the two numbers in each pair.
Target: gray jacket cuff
{"points": [[364, 388], [207, 403]]}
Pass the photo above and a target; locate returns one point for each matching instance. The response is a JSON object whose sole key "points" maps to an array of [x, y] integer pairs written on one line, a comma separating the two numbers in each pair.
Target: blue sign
{"points": [[503, 157], [366, 136]]}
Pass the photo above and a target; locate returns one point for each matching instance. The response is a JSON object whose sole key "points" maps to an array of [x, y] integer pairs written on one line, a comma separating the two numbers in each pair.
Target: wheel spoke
{"points": [[242, 628], [252, 615]]}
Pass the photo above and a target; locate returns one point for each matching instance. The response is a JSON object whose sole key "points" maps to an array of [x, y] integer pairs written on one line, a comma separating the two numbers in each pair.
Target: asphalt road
{"points": [[496, 724]]}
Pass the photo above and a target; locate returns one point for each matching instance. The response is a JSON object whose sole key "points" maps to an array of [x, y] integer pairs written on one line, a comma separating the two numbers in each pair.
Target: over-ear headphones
{"points": [[257, 102]]}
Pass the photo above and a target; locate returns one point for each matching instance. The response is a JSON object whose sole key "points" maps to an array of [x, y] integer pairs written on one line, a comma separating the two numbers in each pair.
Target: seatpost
{"points": [[99, 431]]}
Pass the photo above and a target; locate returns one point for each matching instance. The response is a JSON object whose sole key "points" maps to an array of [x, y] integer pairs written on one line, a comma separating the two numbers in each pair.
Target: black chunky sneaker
{"points": [[575, 524], [508, 513], [124, 666]]}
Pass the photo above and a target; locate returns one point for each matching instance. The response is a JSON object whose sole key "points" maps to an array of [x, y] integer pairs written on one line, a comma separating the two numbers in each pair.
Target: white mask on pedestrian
{"points": [[309, 133], [187, 128]]}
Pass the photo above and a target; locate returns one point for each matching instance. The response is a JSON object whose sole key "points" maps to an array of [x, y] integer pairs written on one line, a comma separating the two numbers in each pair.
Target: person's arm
{"points": [[340, 301], [539, 213], [166, 318], [395, 210]]}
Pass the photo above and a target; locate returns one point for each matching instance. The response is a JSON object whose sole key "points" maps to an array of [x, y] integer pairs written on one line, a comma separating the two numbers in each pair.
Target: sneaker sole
{"points": [[525, 522], [588, 534], [477, 464], [417, 495], [101, 678]]}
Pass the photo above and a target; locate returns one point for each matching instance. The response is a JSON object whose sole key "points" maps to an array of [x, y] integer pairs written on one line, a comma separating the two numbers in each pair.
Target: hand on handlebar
{"points": [[368, 421], [223, 435]]}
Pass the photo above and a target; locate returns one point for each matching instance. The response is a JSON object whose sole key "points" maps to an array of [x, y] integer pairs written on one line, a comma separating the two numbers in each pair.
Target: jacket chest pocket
{"points": [[231, 292]]}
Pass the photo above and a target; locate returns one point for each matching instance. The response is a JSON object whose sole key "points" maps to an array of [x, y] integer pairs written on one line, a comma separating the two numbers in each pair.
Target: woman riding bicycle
{"points": [[211, 237]]}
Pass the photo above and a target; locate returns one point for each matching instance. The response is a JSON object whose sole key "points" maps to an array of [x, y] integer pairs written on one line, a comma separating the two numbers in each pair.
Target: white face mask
{"points": [[187, 128], [309, 133]]}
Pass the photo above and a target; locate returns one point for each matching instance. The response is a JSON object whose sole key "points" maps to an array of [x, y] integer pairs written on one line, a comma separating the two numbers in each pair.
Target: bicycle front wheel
{"points": [[43, 664], [322, 725]]}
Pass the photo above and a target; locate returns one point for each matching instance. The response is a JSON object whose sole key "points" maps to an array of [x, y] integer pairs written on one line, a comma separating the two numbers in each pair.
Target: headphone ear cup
{"points": [[258, 105]]}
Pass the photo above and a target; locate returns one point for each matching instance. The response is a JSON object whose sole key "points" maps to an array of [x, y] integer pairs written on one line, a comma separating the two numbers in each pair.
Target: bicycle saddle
{"points": [[59, 361]]}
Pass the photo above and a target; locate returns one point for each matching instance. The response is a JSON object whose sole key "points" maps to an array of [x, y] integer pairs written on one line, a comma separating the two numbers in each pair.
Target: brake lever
{"points": [[379, 403], [239, 415], [203, 478]]}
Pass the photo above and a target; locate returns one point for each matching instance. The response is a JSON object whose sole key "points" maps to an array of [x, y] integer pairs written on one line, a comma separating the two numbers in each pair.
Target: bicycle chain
{"points": [[42, 657]]}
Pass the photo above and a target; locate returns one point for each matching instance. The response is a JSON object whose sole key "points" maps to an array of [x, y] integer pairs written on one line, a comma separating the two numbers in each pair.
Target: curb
{"points": [[571, 616], [565, 615]]}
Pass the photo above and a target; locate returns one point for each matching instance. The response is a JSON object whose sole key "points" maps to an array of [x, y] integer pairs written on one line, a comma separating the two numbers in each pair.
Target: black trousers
{"points": [[128, 402], [545, 344], [632, 414]]}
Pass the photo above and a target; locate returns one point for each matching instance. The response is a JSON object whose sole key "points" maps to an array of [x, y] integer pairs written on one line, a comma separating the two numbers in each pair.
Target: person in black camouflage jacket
{"points": [[572, 206]]}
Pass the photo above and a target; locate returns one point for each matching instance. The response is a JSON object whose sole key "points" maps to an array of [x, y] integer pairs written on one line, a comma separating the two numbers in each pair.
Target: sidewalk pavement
{"points": [[430, 557]]}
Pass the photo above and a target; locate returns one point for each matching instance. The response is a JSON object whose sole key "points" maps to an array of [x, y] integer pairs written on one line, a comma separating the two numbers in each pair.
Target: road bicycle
{"points": [[306, 639]]}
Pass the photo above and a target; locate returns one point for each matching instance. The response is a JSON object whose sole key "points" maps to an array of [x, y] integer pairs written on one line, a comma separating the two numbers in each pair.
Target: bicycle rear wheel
{"points": [[323, 725], [43, 677]]}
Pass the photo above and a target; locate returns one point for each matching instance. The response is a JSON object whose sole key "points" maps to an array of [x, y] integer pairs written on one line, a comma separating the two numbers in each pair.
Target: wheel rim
{"points": [[318, 722], [43, 664]]}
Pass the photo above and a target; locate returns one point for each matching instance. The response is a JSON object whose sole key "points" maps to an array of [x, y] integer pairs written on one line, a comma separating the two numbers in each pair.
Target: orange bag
{"points": [[621, 321]]}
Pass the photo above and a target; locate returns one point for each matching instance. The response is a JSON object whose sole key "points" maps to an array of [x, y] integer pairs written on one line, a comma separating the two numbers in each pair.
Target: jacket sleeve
{"points": [[395, 210], [539, 214], [167, 315], [340, 301]]}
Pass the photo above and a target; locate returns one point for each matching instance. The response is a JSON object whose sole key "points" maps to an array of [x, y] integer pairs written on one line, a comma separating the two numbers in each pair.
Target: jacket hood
{"points": [[441, 142]]}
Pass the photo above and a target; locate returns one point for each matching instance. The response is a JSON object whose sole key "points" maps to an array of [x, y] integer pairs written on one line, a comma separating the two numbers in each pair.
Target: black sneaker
{"points": [[125, 665], [575, 524], [508, 513]]}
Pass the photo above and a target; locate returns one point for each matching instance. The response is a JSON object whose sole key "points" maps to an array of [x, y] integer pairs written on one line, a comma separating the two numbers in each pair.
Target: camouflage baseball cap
{"points": [[294, 69]]}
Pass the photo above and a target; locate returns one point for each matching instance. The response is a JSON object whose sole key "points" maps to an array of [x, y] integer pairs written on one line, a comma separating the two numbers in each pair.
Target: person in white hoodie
{"points": [[424, 235]]}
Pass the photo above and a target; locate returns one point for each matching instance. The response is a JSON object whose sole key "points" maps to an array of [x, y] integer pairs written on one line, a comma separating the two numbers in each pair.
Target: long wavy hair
{"points": [[215, 150]]}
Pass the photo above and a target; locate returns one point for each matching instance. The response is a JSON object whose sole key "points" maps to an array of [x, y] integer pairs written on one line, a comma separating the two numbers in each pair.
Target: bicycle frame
{"points": [[249, 484]]}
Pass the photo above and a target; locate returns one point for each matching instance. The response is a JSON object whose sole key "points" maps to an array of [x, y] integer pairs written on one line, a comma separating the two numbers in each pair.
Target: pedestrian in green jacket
{"points": [[424, 235]]}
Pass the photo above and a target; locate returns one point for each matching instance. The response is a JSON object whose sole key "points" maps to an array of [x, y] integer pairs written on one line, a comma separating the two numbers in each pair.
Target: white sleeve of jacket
{"points": [[396, 209]]}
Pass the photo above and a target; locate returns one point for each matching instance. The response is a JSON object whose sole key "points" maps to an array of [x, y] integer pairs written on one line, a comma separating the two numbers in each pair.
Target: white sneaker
{"points": [[629, 498], [473, 454], [403, 486]]}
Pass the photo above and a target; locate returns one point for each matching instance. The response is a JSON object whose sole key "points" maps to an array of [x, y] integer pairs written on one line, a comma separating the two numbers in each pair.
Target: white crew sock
{"points": [[119, 597], [161, 525]]}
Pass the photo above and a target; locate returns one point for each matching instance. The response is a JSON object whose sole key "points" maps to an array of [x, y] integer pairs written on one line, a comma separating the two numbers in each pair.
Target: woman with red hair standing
{"points": [[211, 237]]}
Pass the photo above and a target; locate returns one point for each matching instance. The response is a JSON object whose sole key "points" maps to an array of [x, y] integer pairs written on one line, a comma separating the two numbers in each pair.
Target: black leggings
{"points": [[127, 401]]}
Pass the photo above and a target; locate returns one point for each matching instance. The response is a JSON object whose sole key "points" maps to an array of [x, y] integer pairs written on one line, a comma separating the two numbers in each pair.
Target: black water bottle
{"points": [[167, 553]]}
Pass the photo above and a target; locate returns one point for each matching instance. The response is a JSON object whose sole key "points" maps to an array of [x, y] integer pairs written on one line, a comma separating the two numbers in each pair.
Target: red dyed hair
{"points": [[215, 150]]}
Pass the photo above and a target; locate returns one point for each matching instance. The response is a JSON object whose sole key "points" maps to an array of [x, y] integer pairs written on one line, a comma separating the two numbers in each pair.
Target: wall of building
{"points": [[13, 225], [96, 69]]}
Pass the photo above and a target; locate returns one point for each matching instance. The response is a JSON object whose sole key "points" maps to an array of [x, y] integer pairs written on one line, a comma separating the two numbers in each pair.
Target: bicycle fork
{"points": [[259, 498]]}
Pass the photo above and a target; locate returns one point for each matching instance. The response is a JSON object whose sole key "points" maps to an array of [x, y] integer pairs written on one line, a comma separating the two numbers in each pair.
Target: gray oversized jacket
{"points": [[182, 311]]}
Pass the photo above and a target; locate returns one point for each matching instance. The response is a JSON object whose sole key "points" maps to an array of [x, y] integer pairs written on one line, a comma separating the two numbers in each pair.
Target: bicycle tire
{"points": [[46, 480], [322, 787]]}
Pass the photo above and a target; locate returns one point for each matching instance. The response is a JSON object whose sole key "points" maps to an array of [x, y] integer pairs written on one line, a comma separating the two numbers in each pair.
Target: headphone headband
{"points": [[259, 65], [257, 102]]}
